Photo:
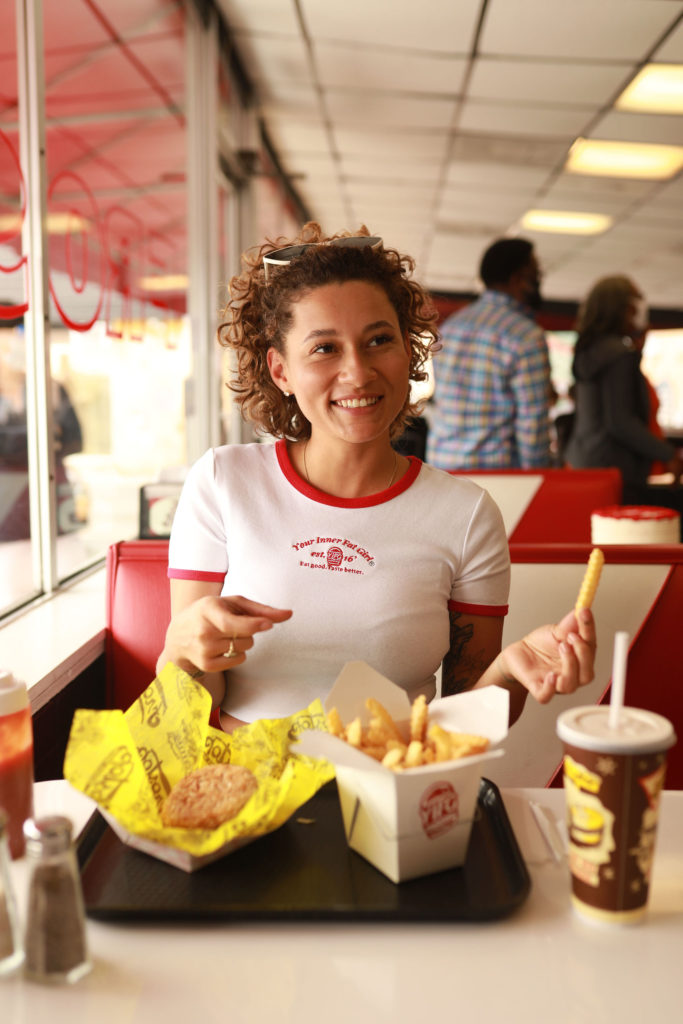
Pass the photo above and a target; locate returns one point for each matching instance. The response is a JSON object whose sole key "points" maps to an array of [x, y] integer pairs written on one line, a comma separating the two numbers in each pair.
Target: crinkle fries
{"points": [[383, 740]]}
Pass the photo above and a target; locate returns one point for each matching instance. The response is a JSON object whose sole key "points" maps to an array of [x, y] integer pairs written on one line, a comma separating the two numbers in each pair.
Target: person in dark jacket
{"points": [[611, 393]]}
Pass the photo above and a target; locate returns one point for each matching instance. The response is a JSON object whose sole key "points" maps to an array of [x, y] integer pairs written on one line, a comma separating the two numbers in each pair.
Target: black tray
{"points": [[305, 871]]}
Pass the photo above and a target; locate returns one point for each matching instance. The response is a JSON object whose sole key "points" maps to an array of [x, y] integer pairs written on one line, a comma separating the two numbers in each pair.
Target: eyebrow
{"points": [[331, 332]]}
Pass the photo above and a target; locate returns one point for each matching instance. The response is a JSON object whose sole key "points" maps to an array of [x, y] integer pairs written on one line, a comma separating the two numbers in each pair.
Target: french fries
{"points": [[383, 740], [591, 579]]}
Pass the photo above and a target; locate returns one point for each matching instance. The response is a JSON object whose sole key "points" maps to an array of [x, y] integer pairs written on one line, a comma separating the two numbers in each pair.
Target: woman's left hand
{"points": [[553, 659]]}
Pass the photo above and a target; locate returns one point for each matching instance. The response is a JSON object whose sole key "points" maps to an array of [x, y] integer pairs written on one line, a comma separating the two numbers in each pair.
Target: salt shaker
{"points": [[11, 949], [55, 942]]}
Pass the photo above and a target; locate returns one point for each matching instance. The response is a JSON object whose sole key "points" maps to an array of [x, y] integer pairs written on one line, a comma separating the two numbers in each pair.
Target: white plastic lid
{"points": [[13, 693], [639, 731]]}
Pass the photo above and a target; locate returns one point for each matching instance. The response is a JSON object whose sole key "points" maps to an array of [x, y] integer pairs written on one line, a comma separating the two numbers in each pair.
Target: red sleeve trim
{"points": [[478, 609], [195, 574]]}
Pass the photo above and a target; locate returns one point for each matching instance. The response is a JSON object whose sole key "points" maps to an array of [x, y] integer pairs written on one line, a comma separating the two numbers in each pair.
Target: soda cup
{"points": [[613, 777]]}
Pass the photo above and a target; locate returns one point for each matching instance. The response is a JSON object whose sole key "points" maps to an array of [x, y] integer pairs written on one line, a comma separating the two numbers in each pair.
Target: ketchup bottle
{"points": [[16, 758]]}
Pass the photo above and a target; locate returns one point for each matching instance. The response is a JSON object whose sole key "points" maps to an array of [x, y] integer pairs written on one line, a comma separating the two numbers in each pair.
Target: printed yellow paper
{"points": [[128, 761]]}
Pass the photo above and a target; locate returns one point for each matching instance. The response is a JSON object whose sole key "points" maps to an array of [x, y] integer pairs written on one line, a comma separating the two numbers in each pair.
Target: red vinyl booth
{"points": [[138, 612], [560, 510]]}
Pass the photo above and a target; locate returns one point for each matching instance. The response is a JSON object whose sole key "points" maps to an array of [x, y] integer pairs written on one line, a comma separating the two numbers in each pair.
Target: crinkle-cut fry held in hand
{"points": [[382, 739], [591, 578]]}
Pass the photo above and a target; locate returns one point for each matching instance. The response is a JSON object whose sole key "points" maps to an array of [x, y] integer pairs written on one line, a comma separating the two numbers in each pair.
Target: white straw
{"points": [[620, 657]]}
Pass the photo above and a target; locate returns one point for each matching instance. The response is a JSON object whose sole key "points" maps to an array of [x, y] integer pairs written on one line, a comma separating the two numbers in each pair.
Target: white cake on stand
{"points": [[635, 524]]}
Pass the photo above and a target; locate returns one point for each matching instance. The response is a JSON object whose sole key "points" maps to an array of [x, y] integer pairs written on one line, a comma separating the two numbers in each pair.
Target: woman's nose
{"points": [[356, 368]]}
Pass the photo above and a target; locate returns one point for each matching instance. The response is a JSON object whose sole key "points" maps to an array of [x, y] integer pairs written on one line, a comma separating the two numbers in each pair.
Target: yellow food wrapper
{"points": [[128, 761]]}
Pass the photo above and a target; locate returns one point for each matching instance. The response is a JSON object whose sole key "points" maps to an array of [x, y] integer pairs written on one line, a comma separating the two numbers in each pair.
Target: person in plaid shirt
{"points": [[493, 390]]}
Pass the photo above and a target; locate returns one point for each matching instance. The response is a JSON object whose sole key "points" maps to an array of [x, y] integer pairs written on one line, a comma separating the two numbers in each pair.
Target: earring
{"points": [[287, 394]]}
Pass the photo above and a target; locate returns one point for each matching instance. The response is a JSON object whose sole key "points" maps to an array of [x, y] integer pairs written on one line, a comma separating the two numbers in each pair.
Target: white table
{"points": [[542, 963]]}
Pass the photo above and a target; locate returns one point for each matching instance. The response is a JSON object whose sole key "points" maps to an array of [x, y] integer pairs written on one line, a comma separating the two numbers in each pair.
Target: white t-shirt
{"points": [[368, 579]]}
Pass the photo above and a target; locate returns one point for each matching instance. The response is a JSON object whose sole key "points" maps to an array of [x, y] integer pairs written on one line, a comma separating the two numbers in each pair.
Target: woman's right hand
{"points": [[200, 634]]}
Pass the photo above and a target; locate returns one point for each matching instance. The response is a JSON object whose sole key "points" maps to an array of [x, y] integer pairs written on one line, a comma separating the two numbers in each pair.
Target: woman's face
{"points": [[346, 361]]}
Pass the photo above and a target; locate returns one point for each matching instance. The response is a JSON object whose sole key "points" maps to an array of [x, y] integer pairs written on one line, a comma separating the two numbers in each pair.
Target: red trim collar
{"points": [[323, 498]]}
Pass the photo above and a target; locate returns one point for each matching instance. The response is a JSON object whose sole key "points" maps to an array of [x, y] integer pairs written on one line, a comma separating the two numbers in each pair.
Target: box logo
{"points": [[439, 809]]}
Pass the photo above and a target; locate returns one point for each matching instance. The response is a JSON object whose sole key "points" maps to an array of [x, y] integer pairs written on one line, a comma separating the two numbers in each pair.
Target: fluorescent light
{"points": [[164, 283], [565, 222], [624, 159], [657, 88]]}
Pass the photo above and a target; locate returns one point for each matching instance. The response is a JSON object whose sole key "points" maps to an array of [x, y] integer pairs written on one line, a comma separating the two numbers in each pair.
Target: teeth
{"points": [[356, 403]]}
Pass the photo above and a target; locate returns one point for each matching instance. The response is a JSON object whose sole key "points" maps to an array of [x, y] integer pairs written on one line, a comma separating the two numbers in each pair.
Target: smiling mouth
{"points": [[356, 403]]}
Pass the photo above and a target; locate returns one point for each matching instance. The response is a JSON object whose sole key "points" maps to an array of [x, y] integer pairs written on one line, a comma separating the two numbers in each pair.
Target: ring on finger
{"points": [[232, 651]]}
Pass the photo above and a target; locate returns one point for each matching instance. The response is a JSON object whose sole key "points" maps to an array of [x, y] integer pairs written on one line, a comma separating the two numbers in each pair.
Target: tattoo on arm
{"points": [[462, 666]]}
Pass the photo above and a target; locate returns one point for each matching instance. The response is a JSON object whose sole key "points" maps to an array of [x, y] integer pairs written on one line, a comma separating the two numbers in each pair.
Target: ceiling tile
{"points": [[568, 84], [422, 26], [523, 119], [626, 127], [583, 29], [300, 135], [385, 166], [342, 66], [279, 16], [629, 189], [510, 178], [508, 149], [671, 50], [385, 111], [277, 61], [427, 146]]}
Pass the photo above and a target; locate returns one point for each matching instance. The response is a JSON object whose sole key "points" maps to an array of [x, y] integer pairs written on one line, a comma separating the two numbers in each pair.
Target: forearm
{"points": [[498, 675]]}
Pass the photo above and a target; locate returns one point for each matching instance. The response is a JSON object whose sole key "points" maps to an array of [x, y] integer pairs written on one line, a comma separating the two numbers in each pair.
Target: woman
{"points": [[613, 406], [335, 546]]}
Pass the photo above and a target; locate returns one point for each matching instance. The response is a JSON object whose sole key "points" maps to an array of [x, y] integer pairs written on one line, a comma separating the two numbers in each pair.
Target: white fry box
{"points": [[418, 821]]}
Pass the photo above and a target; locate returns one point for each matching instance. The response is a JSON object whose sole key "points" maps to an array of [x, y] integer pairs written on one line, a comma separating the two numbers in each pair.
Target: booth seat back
{"points": [[138, 609], [640, 592], [547, 506]]}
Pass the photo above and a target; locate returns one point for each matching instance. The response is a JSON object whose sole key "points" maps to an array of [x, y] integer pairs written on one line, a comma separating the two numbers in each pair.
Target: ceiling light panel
{"points": [[657, 88], [629, 160], [565, 222]]}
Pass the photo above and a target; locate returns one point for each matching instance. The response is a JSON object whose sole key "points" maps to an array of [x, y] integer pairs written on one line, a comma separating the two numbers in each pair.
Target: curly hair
{"points": [[259, 315]]}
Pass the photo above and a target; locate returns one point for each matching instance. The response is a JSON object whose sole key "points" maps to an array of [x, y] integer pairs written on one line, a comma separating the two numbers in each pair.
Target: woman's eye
{"points": [[381, 339], [323, 348]]}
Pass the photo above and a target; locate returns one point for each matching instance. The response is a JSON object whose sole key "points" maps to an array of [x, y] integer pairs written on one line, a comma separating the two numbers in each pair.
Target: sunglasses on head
{"points": [[281, 257]]}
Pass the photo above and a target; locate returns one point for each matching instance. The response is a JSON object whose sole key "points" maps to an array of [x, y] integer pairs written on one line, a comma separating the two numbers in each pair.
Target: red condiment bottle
{"points": [[16, 758]]}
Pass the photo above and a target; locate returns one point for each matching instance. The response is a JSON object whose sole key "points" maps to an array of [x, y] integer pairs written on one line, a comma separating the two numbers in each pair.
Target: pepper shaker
{"points": [[11, 949], [55, 942]]}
